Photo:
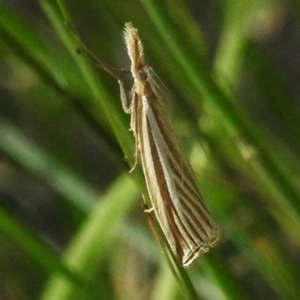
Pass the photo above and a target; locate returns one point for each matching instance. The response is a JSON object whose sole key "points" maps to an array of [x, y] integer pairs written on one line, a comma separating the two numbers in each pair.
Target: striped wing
{"points": [[171, 183]]}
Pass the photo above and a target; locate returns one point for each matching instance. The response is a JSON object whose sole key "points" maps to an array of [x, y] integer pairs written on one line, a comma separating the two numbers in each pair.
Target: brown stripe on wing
{"points": [[181, 172], [167, 129], [174, 222]]}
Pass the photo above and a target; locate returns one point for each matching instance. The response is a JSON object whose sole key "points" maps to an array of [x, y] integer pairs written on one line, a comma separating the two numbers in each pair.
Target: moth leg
{"points": [[135, 162], [128, 104], [147, 210], [136, 156], [134, 124], [125, 98]]}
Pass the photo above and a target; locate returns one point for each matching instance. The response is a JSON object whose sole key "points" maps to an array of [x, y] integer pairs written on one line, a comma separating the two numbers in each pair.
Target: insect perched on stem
{"points": [[171, 183]]}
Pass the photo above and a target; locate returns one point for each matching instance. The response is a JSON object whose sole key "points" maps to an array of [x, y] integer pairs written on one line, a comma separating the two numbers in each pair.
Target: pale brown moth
{"points": [[171, 183]]}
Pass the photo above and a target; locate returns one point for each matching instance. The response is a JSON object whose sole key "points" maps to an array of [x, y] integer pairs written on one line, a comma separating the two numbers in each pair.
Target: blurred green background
{"points": [[72, 224]]}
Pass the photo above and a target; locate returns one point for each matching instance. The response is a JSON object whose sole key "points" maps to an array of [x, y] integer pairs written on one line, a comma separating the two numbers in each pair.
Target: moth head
{"points": [[135, 50]]}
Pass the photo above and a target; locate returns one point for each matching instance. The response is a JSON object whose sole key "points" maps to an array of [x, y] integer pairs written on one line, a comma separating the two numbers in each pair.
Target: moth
{"points": [[171, 183]]}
